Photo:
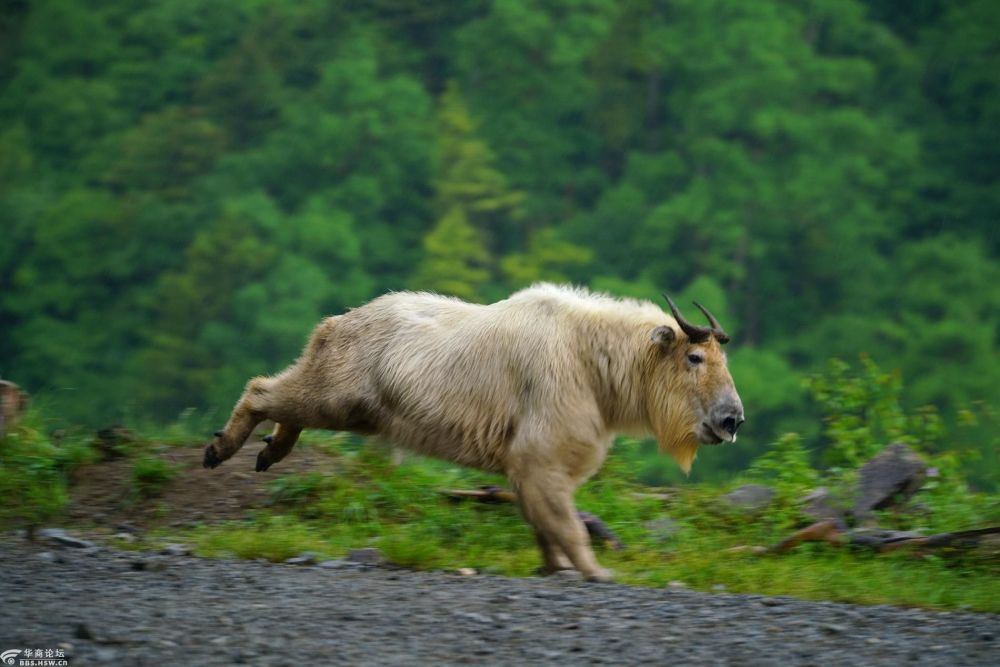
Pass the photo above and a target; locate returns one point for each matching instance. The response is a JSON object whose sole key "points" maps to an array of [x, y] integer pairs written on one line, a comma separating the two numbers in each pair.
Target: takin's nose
{"points": [[729, 418]]}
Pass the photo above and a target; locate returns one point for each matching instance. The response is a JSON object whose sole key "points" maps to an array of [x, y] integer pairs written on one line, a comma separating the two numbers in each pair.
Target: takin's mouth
{"points": [[708, 436]]}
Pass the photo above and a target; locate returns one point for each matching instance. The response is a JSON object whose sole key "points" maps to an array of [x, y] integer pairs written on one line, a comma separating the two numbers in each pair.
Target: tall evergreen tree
{"points": [[478, 212]]}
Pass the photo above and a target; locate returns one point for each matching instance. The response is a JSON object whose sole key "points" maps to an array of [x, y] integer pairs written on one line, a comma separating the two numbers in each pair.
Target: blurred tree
{"points": [[523, 68], [962, 122], [467, 178], [455, 259], [163, 154], [478, 212], [548, 258], [189, 303]]}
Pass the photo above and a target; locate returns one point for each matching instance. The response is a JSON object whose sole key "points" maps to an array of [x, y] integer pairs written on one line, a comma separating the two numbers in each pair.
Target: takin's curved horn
{"points": [[696, 333], [720, 335]]}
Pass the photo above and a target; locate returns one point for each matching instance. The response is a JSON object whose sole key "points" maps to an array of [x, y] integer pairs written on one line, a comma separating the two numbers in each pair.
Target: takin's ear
{"points": [[663, 336]]}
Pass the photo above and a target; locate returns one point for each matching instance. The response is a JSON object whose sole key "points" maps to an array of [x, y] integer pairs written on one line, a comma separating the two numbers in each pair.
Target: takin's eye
{"points": [[695, 359]]}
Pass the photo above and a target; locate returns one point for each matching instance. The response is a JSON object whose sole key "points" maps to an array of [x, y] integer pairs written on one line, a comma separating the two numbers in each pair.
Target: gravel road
{"points": [[103, 606]]}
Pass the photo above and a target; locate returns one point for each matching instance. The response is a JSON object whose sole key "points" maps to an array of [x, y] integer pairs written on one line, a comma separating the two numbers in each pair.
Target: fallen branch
{"points": [[834, 532]]}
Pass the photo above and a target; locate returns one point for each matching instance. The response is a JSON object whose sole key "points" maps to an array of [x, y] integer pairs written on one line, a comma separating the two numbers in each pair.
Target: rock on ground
{"points": [[888, 478], [192, 611], [749, 497]]}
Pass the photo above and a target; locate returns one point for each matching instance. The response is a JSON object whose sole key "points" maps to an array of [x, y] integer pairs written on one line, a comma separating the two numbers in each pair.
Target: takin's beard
{"points": [[675, 432]]}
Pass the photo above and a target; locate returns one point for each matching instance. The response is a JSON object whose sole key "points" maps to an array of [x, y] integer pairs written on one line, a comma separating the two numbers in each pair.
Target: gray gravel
{"points": [[109, 607]]}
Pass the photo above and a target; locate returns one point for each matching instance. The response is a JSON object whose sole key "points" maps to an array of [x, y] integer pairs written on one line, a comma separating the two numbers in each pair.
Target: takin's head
{"points": [[692, 397]]}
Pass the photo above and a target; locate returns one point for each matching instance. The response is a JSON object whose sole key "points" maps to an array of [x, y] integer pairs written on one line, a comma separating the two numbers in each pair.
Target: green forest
{"points": [[187, 187]]}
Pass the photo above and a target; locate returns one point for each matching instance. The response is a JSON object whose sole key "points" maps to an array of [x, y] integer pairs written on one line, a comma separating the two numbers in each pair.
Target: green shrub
{"points": [[150, 475], [34, 471]]}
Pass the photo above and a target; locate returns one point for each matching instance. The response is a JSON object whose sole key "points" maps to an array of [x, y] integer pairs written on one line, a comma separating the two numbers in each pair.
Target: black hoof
{"points": [[262, 463], [211, 459], [268, 439]]}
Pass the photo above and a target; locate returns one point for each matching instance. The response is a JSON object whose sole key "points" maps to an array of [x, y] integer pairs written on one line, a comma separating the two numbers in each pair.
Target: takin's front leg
{"points": [[279, 444], [250, 410], [546, 500]]}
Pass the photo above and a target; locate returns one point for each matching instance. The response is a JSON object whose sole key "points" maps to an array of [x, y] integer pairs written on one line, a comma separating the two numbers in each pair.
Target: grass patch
{"points": [[35, 467], [150, 475], [396, 508]]}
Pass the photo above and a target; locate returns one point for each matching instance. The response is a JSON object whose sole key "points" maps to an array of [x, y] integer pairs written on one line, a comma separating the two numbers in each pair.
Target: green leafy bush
{"points": [[34, 471], [862, 412], [150, 475]]}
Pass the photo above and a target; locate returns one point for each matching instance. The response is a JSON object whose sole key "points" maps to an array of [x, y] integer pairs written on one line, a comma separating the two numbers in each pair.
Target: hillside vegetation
{"points": [[186, 187]]}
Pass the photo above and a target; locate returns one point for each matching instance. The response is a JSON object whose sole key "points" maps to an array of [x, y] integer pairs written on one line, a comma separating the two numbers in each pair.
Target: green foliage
{"points": [[455, 260], [548, 258], [150, 475], [786, 466], [34, 472], [861, 413], [186, 188], [296, 490]]}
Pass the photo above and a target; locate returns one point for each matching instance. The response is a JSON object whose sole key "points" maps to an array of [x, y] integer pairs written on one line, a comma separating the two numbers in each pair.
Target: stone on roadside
{"points": [[174, 549], [304, 558], [151, 564], [336, 564], [59, 536], [366, 556]]}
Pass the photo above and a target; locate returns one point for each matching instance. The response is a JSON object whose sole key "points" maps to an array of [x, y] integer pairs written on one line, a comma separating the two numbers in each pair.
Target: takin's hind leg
{"points": [[279, 444], [250, 410], [553, 557]]}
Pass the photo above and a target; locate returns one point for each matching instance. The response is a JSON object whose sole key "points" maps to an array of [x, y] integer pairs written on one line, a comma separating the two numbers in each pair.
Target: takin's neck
{"points": [[621, 356]]}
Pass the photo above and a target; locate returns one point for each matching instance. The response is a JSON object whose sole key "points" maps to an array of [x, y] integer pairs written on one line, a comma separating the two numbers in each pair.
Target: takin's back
{"points": [[467, 382]]}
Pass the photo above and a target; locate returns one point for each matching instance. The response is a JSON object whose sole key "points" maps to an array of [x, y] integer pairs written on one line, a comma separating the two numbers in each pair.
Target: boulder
{"points": [[888, 479], [367, 556], [749, 497], [820, 505]]}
